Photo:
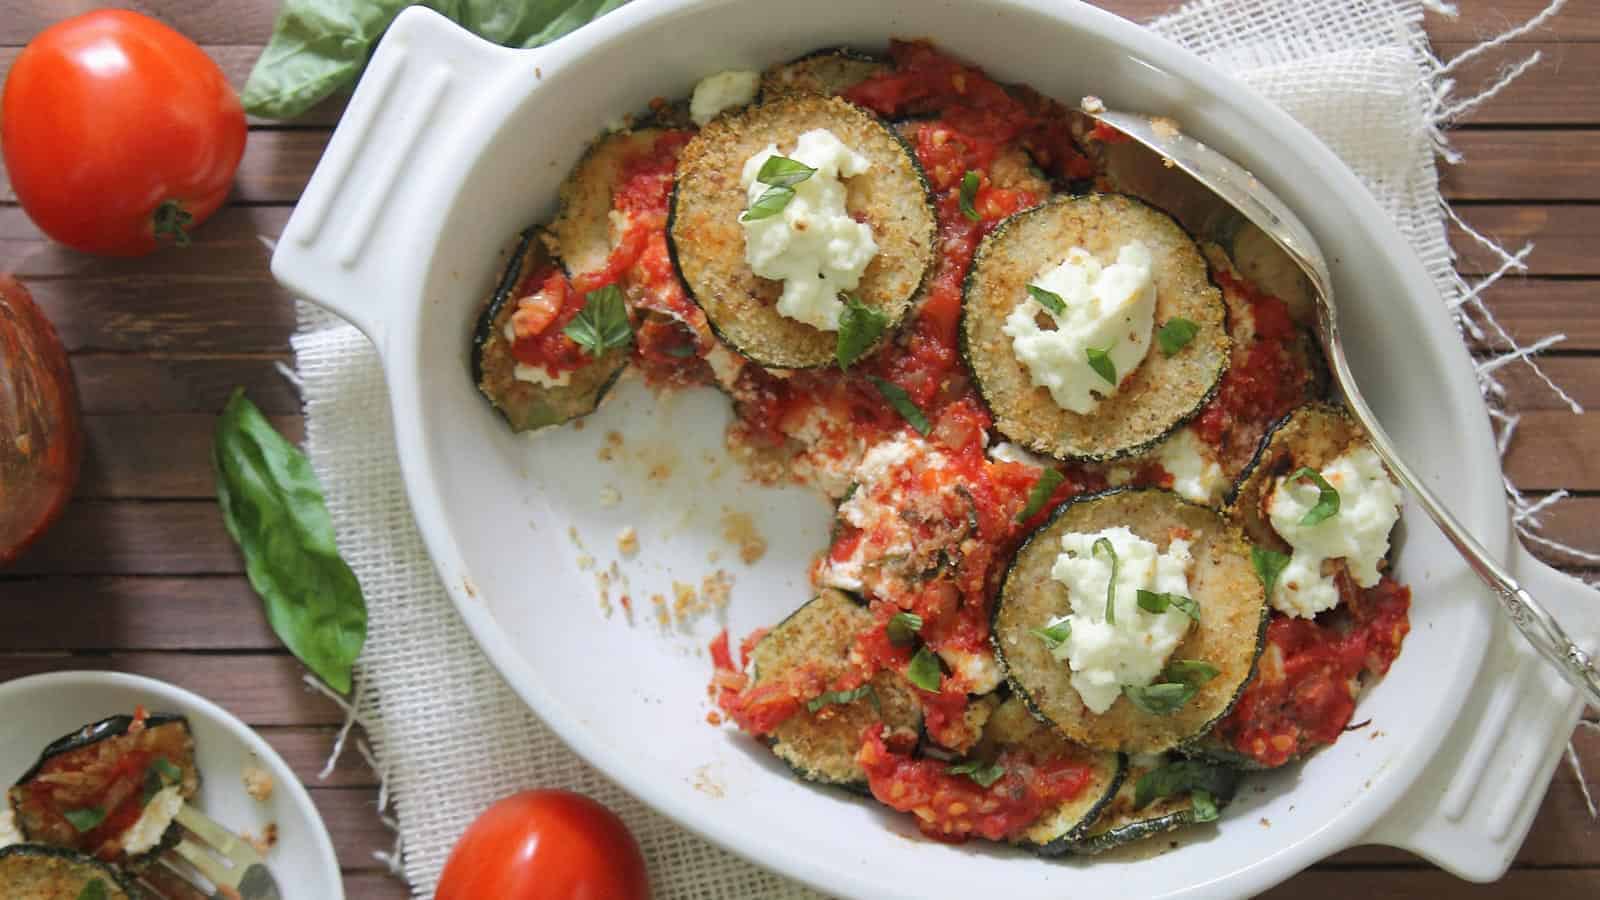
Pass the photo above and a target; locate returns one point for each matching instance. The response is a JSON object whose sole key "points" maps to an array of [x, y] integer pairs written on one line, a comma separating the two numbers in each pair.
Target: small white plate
{"points": [[41, 708]]}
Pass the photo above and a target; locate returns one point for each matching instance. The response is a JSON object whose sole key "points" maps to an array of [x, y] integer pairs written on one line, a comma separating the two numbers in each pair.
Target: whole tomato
{"points": [[118, 133], [545, 845], [43, 440]]}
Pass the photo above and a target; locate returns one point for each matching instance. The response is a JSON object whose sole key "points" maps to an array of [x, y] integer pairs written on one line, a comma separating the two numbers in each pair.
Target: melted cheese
{"points": [[1369, 505]]}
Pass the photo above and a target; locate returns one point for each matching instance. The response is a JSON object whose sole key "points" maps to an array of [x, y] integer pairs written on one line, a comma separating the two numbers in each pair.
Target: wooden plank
{"points": [[132, 538], [226, 247], [1323, 884], [1530, 308], [1555, 449], [132, 613], [1480, 21], [1578, 375], [306, 749], [374, 886], [259, 688], [118, 384], [1571, 522], [1523, 165], [142, 456], [1564, 237], [1563, 89], [351, 815]]}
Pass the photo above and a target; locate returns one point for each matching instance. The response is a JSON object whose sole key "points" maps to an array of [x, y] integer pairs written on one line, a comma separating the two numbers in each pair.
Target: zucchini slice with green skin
{"points": [[1122, 822], [821, 745], [38, 872], [1012, 727], [525, 405], [1229, 634], [1162, 393], [1312, 435], [162, 749], [708, 244], [581, 235], [830, 71]]}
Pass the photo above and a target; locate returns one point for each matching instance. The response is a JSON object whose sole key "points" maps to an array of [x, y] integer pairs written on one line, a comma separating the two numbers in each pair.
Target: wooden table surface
{"points": [[140, 577]]}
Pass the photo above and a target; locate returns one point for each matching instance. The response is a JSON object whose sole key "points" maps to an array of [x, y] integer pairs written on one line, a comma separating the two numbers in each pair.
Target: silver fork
{"points": [[234, 868]]}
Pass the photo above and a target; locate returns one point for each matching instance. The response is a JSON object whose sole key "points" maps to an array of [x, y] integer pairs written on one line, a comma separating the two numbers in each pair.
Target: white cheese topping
{"points": [[1134, 648], [876, 506], [144, 834], [9, 832], [1005, 451], [1108, 308], [722, 91], [1369, 505], [540, 375], [1192, 463], [813, 245], [979, 670]]}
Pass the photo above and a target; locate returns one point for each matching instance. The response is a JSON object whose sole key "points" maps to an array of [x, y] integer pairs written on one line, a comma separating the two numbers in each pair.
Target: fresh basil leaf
{"points": [[272, 507], [85, 820], [1100, 362], [1327, 505], [1160, 699], [840, 697], [1269, 564], [1055, 635], [983, 773], [158, 775], [1176, 334], [1111, 584], [603, 323], [969, 195], [1185, 775], [1042, 491], [1205, 805], [1195, 672], [95, 889], [781, 171], [924, 670], [1153, 602], [859, 328], [770, 203], [903, 627], [320, 46], [902, 403], [1048, 299]]}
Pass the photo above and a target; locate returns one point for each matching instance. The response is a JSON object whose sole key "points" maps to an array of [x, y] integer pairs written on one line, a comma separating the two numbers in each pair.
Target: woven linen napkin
{"points": [[449, 737]]}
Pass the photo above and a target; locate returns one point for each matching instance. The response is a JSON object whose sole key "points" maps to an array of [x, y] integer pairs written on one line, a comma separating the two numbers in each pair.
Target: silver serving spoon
{"points": [[1239, 189]]}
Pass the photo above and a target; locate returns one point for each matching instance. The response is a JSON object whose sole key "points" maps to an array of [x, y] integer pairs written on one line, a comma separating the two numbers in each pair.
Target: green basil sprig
{"points": [[969, 195], [159, 775], [1185, 775], [842, 698], [1111, 584], [780, 174], [95, 889], [1041, 493], [1100, 362], [272, 507], [903, 628], [1269, 564], [1182, 679], [1153, 602], [85, 820], [1327, 505], [1176, 335], [924, 670], [1054, 636], [902, 403], [985, 774], [603, 323], [859, 328], [1048, 299]]}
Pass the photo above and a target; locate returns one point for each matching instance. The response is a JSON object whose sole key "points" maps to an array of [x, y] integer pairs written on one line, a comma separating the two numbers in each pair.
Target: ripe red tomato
{"points": [[545, 845], [119, 132]]}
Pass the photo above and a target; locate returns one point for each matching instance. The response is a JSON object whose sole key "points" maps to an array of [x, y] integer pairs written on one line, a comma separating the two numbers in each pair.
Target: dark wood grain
{"points": [[1499, 164], [132, 613], [1564, 237], [155, 456], [1564, 89]]}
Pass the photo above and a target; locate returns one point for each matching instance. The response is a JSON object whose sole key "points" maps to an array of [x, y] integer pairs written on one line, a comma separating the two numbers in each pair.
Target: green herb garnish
{"points": [[1111, 585], [1042, 491], [1190, 671], [1100, 362], [859, 328], [1055, 635], [603, 324], [1153, 602], [770, 203], [1160, 699], [829, 698], [1184, 775], [983, 773], [1176, 334], [903, 627], [781, 171], [1327, 505], [85, 819], [902, 403], [158, 775], [1048, 299], [94, 890], [969, 193], [1205, 805], [924, 670], [1269, 564]]}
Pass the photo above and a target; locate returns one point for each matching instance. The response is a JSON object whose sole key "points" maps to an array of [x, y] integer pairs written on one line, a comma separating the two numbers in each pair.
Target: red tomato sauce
{"points": [[546, 294], [1264, 382]]}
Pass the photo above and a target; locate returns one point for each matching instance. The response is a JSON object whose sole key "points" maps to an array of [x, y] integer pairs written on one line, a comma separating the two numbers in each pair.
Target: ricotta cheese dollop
{"points": [[144, 834], [1108, 308], [1369, 505], [1192, 463], [812, 245], [1133, 649], [722, 91]]}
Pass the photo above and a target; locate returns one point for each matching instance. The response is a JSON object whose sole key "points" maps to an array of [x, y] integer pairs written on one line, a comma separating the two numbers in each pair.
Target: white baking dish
{"points": [[450, 146]]}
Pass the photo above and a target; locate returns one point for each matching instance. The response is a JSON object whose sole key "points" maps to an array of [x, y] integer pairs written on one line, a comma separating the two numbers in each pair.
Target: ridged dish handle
{"points": [[1476, 801], [353, 244]]}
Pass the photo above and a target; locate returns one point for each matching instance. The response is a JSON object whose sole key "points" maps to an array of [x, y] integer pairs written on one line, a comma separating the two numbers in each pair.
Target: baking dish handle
{"points": [[1476, 800], [353, 242]]}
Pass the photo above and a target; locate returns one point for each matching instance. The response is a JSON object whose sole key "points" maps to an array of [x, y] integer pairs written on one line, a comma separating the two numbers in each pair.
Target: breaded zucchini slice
{"points": [[1123, 821], [524, 404], [829, 71], [821, 745], [581, 235], [1229, 634], [38, 872], [1151, 402], [1312, 435], [708, 242]]}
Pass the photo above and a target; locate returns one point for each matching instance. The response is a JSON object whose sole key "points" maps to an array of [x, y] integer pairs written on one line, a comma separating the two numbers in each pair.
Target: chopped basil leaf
{"points": [[1043, 489], [1100, 362], [1111, 584], [1048, 299], [983, 773], [901, 401], [169, 772], [94, 890], [859, 328], [903, 628], [769, 204], [969, 193], [1269, 565], [1327, 498], [1190, 671], [1153, 602], [840, 697], [1054, 635], [158, 775], [781, 171], [924, 670], [1205, 806], [1160, 699], [85, 819], [603, 324], [1176, 334], [1184, 775]]}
